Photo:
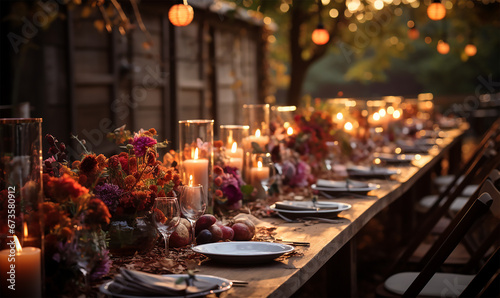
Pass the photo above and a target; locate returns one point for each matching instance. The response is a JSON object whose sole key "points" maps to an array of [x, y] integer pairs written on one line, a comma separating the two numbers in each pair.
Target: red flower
{"points": [[89, 164], [97, 212]]}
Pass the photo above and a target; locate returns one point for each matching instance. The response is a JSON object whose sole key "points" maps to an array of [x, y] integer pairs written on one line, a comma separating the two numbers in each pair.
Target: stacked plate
{"points": [[371, 172], [333, 187], [297, 209]]}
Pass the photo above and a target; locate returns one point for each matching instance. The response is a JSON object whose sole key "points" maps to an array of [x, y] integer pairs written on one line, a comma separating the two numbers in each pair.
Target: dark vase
{"points": [[126, 237]]}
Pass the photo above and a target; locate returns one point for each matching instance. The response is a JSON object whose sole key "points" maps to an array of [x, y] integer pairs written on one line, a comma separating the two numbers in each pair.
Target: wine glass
{"points": [[193, 205], [166, 215]]}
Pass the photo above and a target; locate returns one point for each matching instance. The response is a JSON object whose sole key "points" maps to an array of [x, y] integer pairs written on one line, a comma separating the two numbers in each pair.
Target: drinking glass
{"points": [[166, 214], [193, 205]]}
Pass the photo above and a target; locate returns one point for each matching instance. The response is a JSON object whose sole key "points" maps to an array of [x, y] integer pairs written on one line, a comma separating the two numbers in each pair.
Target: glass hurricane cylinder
{"points": [[256, 116], [196, 139], [233, 137], [21, 194], [282, 117], [260, 173]]}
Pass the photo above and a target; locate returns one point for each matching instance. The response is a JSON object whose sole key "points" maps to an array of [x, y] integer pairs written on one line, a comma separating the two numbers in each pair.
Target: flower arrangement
{"points": [[82, 199], [312, 133], [230, 189]]}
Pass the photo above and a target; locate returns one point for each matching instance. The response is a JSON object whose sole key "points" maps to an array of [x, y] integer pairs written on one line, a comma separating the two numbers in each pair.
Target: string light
{"points": [[443, 48], [436, 11], [470, 50], [181, 14], [320, 35]]}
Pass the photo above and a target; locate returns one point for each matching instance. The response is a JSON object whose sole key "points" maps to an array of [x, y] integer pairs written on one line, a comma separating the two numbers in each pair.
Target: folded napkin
{"points": [[131, 282], [341, 184]]}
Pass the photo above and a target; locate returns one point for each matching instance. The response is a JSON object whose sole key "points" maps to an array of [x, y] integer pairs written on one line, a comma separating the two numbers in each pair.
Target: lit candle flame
{"points": [[190, 180], [234, 147], [348, 126], [257, 133], [289, 131], [19, 248], [259, 164], [340, 116], [25, 226], [196, 153]]}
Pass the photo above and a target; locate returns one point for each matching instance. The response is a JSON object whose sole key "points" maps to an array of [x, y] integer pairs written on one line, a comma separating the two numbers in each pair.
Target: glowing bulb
{"points": [[340, 116], [397, 150], [443, 47], [320, 36], [348, 126], [470, 50], [181, 15], [381, 112], [396, 114], [376, 117], [436, 11], [390, 110], [376, 161]]}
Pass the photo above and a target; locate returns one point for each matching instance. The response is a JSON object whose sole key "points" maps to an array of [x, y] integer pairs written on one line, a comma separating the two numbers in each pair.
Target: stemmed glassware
{"points": [[193, 205], [166, 215]]}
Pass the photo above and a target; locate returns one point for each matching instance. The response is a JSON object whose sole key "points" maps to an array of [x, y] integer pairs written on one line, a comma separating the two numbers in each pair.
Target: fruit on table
{"points": [[204, 222], [248, 223], [216, 233], [242, 232], [227, 233], [182, 234], [205, 236]]}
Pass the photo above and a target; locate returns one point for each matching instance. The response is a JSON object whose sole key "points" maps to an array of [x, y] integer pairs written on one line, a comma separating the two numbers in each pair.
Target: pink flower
{"points": [[141, 144]]}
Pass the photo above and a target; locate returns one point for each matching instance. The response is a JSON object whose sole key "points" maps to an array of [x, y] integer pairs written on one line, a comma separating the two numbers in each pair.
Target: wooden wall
{"points": [[87, 82]]}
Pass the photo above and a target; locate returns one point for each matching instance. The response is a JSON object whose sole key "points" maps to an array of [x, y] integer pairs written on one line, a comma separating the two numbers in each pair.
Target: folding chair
{"points": [[428, 282]]}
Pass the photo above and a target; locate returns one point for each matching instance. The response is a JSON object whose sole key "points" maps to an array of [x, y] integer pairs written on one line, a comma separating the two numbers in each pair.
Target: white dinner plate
{"points": [[243, 252], [224, 285], [346, 190], [307, 205], [370, 172], [325, 213]]}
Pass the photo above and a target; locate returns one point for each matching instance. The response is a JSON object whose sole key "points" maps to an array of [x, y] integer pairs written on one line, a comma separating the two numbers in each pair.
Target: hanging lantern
{"points": [[436, 11], [443, 48], [470, 50], [181, 15], [320, 35], [413, 33]]}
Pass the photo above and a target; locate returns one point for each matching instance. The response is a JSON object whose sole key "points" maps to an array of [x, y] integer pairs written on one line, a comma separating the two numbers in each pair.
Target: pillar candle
{"points": [[198, 168], [20, 272], [259, 174]]}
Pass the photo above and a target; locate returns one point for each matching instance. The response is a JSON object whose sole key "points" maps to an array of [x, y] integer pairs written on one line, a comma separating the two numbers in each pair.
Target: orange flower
{"points": [[129, 181], [101, 161], [152, 131], [132, 164], [218, 193], [218, 144], [218, 170], [76, 164]]}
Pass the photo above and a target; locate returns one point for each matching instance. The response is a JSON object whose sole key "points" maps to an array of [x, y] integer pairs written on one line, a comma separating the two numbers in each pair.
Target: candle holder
{"points": [[261, 173], [233, 138], [196, 139], [256, 116], [282, 118], [21, 185]]}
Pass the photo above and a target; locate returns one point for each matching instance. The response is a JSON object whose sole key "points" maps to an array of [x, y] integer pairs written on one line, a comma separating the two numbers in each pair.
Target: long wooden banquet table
{"points": [[328, 240]]}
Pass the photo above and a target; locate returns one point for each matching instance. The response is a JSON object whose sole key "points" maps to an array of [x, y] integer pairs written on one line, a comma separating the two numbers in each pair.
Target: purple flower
{"points": [[235, 173], [110, 194], [302, 175], [102, 266], [231, 189], [141, 144]]}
